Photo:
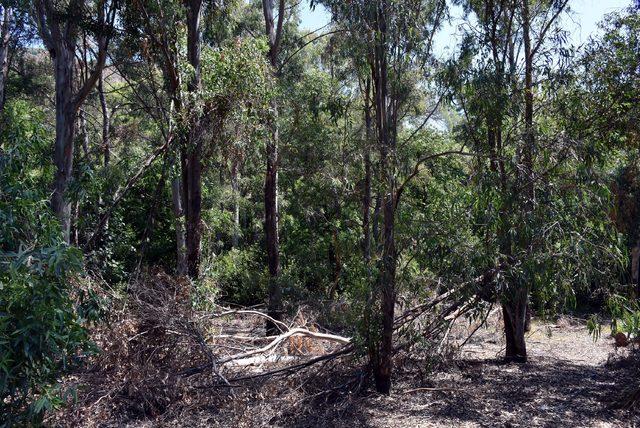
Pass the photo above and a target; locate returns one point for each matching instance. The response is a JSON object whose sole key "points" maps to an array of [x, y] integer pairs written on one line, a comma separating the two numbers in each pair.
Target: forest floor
{"points": [[569, 380]]}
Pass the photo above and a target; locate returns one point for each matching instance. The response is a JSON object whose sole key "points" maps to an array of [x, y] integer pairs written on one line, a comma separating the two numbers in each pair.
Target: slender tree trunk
{"points": [[235, 189], [383, 364], [106, 137], [176, 193], [75, 215], [84, 132], [4, 52], [65, 133], [192, 153], [106, 123], [271, 229], [366, 199], [275, 306], [375, 220]]}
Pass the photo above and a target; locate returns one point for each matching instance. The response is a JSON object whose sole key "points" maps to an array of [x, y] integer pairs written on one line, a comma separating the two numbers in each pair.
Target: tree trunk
{"points": [[176, 193], [59, 33], [106, 123], [515, 306], [193, 207], [366, 198], [387, 287], [192, 152], [274, 34], [4, 53], [65, 133], [271, 231], [383, 364], [235, 189], [375, 220], [84, 132], [514, 311]]}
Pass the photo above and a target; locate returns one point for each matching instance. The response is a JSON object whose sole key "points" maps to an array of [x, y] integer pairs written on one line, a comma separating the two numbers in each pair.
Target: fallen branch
{"points": [[280, 371], [279, 339], [282, 326], [409, 391]]}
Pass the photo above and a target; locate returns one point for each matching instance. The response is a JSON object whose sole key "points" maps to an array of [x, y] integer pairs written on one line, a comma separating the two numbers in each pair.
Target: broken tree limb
{"points": [[282, 326], [279, 339], [276, 372]]}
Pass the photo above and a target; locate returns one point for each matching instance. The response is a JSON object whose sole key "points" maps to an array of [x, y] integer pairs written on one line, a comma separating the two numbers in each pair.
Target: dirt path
{"points": [[567, 382]]}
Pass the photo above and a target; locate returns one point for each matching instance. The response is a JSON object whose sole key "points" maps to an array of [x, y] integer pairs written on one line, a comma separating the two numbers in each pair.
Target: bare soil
{"points": [[144, 377], [570, 380]]}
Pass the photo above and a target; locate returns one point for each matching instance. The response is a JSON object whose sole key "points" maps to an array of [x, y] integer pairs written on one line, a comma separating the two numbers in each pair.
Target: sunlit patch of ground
{"points": [[570, 380]]}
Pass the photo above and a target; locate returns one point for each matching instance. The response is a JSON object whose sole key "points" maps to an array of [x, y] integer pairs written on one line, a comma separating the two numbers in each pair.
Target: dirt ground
{"points": [[570, 380]]}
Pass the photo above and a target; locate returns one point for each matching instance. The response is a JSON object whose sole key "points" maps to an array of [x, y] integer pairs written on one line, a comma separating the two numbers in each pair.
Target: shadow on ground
{"points": [[545, 392]]}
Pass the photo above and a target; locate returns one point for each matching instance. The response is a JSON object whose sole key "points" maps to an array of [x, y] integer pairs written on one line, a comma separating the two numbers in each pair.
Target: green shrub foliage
{"points": [[40, 327]]}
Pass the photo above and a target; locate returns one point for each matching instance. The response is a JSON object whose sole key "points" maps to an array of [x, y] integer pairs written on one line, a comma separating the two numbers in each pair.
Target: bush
{"points": [[40, 326], [237, 276]]}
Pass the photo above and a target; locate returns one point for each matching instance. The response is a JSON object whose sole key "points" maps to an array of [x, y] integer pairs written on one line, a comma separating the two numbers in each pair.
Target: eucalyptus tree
{"points": [[60, 25], [274, 32], [185, 114], [508, 83], [191, 156], [398, 41]]}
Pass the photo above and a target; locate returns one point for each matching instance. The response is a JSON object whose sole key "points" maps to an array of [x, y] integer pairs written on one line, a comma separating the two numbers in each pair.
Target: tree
{"points": [[191, 155], [59, 25], [5, 40], [398, 39], [273, 31], [507, 84]]}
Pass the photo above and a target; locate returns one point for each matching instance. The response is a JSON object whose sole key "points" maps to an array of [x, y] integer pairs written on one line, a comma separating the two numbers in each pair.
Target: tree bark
{"points": [[274, 34], [5, 38], [514, 312], [235, 189], [181, 262], [192, 150], [65, 134], [366, 198], [271, 231], [84, 132], [383, 352], [106, 123]]}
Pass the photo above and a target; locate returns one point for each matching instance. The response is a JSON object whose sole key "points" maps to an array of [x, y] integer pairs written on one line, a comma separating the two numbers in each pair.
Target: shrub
{"points": [[41, 329], [238, 276]]}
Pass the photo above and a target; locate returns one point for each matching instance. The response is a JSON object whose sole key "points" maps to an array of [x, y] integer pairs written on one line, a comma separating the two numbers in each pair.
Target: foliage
{"points": [[235, 277], [40, 327], [556, 215]]}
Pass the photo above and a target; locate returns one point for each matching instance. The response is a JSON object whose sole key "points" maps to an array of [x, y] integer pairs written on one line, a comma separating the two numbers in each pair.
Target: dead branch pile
{"points": [[159, 355], [155, 343]]}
